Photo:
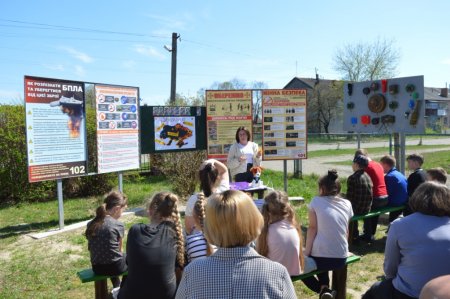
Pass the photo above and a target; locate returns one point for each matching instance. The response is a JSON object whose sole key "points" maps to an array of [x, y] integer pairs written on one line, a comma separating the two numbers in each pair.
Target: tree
{"points": [[257, 99], [236, 83], [325, 104], [367, 61]]}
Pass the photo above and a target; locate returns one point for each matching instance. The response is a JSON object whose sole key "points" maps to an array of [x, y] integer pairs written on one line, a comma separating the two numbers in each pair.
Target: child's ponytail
{"points": [[112, 199]]}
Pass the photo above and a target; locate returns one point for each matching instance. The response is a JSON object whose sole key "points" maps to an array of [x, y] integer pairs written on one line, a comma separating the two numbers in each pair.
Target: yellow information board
{"points": [[226, 110]]}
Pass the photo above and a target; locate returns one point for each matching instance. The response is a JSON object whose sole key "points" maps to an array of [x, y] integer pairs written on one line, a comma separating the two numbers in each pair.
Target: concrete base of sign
{"points": [[298, 199], [52, 232]]}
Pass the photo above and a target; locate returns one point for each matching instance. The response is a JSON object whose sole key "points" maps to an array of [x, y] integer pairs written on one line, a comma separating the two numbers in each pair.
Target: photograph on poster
{"points": [[173, 133]]}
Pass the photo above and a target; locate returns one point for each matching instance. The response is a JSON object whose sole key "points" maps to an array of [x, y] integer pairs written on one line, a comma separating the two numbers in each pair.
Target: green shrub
{"points": [[14, 185], [181, 169]]}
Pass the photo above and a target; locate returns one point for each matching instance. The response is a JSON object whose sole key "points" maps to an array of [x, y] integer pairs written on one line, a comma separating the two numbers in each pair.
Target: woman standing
{"points": [[155, 252], [243, 155]]}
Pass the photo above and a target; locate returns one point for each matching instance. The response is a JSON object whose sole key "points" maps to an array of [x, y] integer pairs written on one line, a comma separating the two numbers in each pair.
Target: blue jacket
{"points": [[396, 186]]}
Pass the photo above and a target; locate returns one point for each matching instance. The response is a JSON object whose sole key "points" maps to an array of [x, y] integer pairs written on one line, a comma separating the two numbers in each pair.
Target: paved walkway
{"points": [[321, 165]]}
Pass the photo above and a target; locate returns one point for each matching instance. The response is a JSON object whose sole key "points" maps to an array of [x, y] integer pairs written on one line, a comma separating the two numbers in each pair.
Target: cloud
{"points": [[179, 23], [129, 64], [446, 61], [167, 25], [80, 71], [148, 51], [78, 54], [54, 67]]}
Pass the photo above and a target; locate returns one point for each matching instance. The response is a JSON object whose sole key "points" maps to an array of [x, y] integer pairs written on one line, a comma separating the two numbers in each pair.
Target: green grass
{"points": [[434, 159], [372, 151], [46, 268], [25, 217]]}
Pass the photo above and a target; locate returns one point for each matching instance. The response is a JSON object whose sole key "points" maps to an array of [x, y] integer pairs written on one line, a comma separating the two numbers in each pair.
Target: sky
{"points": [[122, 42]]}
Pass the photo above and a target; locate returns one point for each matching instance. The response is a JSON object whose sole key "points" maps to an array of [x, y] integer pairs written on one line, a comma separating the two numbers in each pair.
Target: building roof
{"points": [[305, 83], [434, 94]]}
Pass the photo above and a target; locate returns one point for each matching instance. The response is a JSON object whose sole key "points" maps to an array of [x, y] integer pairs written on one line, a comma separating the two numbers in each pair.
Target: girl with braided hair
{"points": [[214, 178], [196, 244], [280, 239], [155, 251]]}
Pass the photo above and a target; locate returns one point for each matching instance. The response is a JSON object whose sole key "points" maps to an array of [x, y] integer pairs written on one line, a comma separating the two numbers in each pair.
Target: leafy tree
{"points": [[367, 61]]}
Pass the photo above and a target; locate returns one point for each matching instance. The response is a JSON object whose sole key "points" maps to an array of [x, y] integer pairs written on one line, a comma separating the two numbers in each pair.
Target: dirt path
{"points": [[322, 164]]}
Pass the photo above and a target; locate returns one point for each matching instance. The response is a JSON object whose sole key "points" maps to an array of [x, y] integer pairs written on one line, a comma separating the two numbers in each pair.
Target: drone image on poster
{"points": [[74, 110], [385, 106], [174, 133]]}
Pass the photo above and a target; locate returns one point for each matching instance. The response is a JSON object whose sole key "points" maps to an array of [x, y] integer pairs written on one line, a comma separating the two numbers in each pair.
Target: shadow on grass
{"points": [[26, 228], [362, 248]]}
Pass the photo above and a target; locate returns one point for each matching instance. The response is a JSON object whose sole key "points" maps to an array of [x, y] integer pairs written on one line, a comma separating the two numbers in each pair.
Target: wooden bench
{"points": [[377, 212], [100, 282], [371, 214], [339, 277]]}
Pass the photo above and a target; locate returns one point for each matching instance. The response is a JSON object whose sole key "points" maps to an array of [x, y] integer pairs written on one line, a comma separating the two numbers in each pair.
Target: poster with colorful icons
{"points": [[226, 110], [284, 124], [55, 128], [117, 128]]}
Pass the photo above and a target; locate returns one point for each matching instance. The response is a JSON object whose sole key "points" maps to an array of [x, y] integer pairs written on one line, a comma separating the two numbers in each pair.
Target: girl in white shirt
{"points": [[326, 240]]}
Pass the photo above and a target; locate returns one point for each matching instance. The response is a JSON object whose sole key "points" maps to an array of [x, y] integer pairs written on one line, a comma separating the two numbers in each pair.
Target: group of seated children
{"points": [[374, 185], [229, 249]]}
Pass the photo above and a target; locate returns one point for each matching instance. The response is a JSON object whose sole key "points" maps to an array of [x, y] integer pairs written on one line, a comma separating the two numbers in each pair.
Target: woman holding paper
{"points": [[243, 155]]}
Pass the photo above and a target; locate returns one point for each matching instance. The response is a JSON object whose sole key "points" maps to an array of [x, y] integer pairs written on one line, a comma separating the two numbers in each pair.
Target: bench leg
{"points": [[339, 282], [351, 228], [101, 289]]}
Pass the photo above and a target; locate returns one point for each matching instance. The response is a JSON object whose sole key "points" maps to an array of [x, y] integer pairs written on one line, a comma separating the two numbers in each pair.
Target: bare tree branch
{"points": [[367, 61]]}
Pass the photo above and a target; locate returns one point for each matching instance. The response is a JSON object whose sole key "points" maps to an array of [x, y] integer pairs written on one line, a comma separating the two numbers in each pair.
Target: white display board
{"points": [[117, 128], [394, 105]]}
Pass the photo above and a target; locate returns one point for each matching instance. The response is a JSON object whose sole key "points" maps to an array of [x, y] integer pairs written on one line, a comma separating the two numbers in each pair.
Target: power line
{"points": [[53, 27]]}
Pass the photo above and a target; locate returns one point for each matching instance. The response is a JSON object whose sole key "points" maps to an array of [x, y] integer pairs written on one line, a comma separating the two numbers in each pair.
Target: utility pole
{"points": [[173, 80]]}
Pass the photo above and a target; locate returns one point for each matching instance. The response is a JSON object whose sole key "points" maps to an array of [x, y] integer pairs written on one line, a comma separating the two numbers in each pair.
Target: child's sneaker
{"points": [[326, 293], [115, 292]]}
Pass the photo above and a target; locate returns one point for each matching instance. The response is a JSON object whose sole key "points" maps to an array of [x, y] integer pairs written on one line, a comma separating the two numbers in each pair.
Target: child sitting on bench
{"points": [[326, 240], [105, 234], [280, 239]]}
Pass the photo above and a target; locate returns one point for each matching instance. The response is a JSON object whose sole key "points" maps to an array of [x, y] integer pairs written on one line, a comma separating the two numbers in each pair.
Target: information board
{"points": [[284, 124], [172, 129], [117, 128], [55, 128], [227, 110], [394, 105]]}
